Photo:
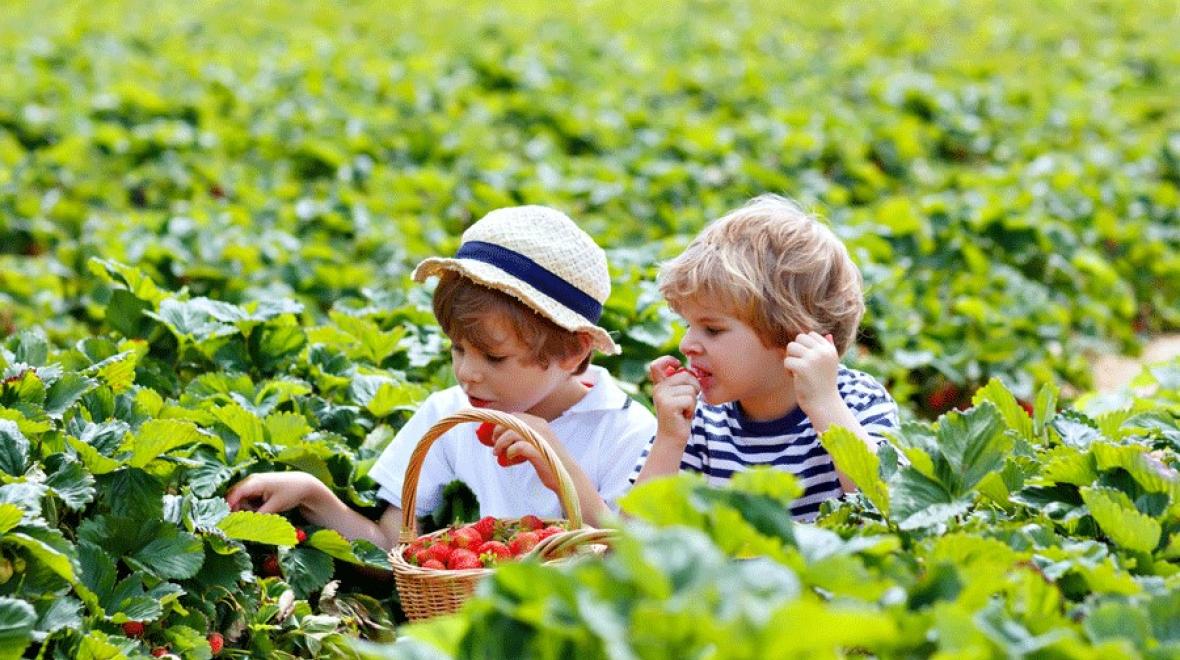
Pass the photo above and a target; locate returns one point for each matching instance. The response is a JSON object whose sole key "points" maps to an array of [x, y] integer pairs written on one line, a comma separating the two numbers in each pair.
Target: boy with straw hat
{"points": [[520, 302]]}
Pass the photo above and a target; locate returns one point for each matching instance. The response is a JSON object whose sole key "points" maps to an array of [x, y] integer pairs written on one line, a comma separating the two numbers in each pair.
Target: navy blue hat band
{"points": [[536, 275]]}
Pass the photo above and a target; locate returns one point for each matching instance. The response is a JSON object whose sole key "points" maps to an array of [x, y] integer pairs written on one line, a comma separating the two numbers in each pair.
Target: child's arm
{"points": [[275, 492], [814, 363], [675, 397]]}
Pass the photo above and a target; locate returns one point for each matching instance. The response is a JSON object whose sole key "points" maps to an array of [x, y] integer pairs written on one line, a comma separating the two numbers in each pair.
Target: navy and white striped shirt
{"points": [[723, 441]]}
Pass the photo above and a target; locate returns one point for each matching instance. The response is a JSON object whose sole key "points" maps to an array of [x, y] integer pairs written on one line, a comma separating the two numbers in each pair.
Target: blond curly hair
{"points": [[776, 268]]}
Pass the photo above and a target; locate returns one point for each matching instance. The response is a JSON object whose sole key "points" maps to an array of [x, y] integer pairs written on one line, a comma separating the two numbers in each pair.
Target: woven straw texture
{"points": [[426, 593], [554, 242]]}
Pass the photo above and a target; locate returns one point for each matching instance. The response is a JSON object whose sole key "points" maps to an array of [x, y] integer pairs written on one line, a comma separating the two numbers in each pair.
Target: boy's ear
{"points": [[571, 362]]}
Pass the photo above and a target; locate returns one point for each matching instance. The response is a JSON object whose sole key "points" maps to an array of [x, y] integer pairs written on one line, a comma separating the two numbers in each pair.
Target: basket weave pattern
{"points": [[425, 592]]}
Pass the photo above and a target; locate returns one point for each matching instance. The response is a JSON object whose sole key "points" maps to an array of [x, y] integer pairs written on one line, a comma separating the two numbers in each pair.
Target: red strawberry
{"points": [[484, 433], [467, 537], [421, 556], [549, 531], [504, 461], [300, 535], [159, 651], [216, 642], [440, 551], [1028, 407], [944, 397], [133, 629], [531, 522], [462, 559], [495, 551], [523, 542], [486, 527], [434, 564], [411, 550], [270, 566]]}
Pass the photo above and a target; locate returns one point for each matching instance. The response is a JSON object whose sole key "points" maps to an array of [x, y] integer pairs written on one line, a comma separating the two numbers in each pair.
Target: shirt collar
{"points": [[604, 394]]}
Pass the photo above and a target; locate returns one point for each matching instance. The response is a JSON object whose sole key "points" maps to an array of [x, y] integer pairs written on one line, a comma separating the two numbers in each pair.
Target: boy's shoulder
{"points": [[607, 397], [857, 387]]}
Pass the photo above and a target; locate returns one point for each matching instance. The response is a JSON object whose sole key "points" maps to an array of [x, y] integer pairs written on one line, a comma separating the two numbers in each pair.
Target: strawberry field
{"points": [[209, 214]]}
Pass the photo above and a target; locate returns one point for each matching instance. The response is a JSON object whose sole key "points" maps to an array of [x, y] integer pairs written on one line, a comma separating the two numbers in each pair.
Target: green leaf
{"points": [[125, 313], [853, 458], [176, 557], [390, 398], [1013, 414], [974, 444], [61, 612], [72, 483], [1045, 408], [10, 516], [307, 570], [286, 428], [258, 527], [65, 392], [245, 425], [17, 619], [665, 501], [94, 461], [1120, 521], [157, 437], [56, 560], [14, 449], [1118, 621], [911, 492], [133, 493], [331, 543]]}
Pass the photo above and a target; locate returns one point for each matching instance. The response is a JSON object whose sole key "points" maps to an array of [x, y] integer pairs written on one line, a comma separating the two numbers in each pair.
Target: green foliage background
{"points": [[208, 214]]}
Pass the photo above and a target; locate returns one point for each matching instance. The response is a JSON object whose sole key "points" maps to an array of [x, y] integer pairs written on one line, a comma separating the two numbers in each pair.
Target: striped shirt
{"points": [[723, 441]]}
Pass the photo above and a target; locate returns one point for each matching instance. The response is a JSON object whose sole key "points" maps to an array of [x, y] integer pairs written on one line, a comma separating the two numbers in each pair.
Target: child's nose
{"points": [[466, 372], [689, 345]]}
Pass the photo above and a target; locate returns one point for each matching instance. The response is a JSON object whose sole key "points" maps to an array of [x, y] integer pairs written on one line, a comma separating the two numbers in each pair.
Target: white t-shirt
{"points": [[605, 432]]}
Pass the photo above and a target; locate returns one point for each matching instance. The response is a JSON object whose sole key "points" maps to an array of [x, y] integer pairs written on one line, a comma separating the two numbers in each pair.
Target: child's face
{"points": [[733, 363], [503, 377]]}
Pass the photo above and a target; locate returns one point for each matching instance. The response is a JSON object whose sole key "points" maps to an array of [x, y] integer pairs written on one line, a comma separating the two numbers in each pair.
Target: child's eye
{"points": [[713, 331], [497, 359]]}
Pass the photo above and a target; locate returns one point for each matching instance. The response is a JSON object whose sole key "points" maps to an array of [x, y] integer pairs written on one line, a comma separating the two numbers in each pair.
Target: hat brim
{"points": [[495, 278]]}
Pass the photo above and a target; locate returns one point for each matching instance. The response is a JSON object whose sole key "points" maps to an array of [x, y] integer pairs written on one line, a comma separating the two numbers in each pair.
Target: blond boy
{"points": [[771, 300], [520, 302]]}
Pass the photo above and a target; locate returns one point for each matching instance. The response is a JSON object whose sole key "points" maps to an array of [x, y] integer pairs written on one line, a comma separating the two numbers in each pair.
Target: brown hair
{"points": [[776, 268], [461, 307]]}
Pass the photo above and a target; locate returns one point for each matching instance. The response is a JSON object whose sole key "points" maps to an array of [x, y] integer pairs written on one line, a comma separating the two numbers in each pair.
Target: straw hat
{"points": [[540, 257]]}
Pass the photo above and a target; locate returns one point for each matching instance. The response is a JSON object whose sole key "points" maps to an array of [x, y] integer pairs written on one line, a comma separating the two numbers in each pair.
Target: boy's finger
{"points": [[830, 340], [662, 367]]}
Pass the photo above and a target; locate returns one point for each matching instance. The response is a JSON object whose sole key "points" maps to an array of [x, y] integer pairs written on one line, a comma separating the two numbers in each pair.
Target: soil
{"points": [[1114, 371]]}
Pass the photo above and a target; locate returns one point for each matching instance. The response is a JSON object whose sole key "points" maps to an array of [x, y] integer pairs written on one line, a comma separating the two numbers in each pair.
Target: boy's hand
{"points": [[511, 449], [813, 363], [675, 396], [273, 492]]}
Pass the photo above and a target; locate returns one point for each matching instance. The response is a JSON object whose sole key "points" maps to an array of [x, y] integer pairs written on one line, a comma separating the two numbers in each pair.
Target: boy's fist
{"points": [[675, 395], [814, 363]]}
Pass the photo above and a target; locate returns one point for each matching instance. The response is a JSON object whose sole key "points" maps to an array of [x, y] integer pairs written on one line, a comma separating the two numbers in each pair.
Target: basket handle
{"points": [[566, 493], [558, 545]]}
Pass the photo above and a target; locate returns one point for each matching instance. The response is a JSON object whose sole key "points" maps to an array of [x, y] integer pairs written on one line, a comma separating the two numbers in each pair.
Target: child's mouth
{"points": [[478, 403]]}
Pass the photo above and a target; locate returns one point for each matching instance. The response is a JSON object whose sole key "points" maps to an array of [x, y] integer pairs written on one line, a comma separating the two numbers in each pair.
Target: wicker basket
{"points": [[425, 592]]}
